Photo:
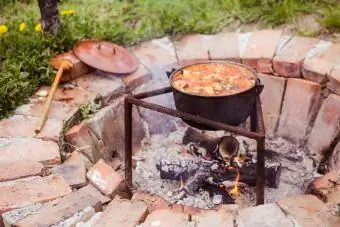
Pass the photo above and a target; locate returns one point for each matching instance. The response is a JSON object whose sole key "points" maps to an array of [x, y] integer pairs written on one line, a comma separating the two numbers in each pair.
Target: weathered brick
{"points": [[101, 84], [288, 62], [157, 52], [78, 69], [193, 47], [58, 110], [212, 218], [136, 79], [326, 126], [307, 210], [104, 178], [334, 160], [327, 187], [260, 50], [38, 190], [153, 202], [224, 46], [64, 208], [90, 189], [72, 170], [166, 218], [263, 215], [333, 83], [123, 213], [24, 127], [73, 95], [318, 66], [271, 99], [18, 169], [299, 106], [18, 149]]}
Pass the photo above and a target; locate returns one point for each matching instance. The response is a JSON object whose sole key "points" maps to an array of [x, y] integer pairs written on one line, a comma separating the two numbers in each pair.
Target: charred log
{"points": [[193, 171], [49, 15], [222, 148]]}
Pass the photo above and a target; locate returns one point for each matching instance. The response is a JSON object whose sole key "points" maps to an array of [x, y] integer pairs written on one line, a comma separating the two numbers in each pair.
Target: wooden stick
{"points": [[49, 99]]}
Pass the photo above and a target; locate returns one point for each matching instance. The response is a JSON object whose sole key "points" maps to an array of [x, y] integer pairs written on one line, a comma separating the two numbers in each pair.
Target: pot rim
{"points": [[257, 81]]}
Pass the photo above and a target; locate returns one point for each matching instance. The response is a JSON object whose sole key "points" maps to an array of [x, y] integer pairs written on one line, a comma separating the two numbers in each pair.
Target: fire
{"points": [[235, 191]]}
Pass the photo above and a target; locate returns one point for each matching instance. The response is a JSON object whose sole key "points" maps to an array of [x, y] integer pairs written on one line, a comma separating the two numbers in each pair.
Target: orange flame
{"points": [[235, 192]]}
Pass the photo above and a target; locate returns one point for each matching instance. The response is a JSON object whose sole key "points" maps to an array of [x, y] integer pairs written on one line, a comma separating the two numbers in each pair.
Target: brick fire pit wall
{"points": [[301, 102]]}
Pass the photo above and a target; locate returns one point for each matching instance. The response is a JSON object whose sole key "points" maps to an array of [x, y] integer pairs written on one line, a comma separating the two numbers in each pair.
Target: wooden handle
{"points": [[49, 99]]}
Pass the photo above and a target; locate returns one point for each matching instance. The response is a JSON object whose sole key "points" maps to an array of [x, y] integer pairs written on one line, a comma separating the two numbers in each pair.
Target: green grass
{"points": [[25, 54]]}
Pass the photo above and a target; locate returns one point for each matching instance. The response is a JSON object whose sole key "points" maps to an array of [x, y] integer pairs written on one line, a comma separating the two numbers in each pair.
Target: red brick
{"points": [[15, 170], [19, 149], [271, 99], [100, 84], [72, 170], [224, 46], [307, 210], [288, 62], [327, 187], [153, 202], [136, 79], [212, 218], [260, 50], [90, 189], [326, 126], [57, 110], [122, 213], [78, 69], [317, 67], [104, 178], [334, 80], [334, 160], [299, 106], [63, 209], [24, 127], [193, 47], [159, 52], [166, 218], [73, 95], [39, 190]]}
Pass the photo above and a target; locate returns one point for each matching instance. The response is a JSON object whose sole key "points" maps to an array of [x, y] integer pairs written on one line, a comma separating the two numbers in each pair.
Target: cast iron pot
{"points": [[229, 109]]}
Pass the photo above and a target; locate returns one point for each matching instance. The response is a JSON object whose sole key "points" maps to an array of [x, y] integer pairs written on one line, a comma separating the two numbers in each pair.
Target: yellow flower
{"points": [[22, 26], [38, 28], [3, 29], [67, 12]]}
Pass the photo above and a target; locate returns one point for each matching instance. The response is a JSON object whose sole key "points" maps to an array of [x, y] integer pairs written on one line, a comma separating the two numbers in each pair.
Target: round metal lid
{"points": [[106, 56]]}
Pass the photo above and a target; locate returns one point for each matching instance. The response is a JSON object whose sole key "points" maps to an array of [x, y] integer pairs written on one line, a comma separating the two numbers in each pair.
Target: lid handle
{"points": [[107, 49]]}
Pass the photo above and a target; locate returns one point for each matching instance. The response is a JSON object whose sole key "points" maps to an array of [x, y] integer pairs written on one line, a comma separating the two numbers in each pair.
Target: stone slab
{"points": [[326, 126], [299, 107], [261, 49], [333, 83], [90, 189], [271, 100], [38, 190], [288, 62], [212, 218], [263, 215], [317, 67], [100, 84], [72, 170], [58, 110], [19, 126], [123, 213], [166, 218], [308, 210], [334, 162], [224, 46], [104, 178], [19, 169], [19, 149], [153, 202], [136, 79], [63, 209], [193, 47]]}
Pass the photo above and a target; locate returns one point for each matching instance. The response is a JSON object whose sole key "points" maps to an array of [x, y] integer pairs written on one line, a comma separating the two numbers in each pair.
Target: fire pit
{"points": [[256, 132]]}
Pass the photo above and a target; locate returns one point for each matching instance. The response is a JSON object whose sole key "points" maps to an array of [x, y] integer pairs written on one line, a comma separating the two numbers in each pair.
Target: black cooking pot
{"points": [[229, 109]]}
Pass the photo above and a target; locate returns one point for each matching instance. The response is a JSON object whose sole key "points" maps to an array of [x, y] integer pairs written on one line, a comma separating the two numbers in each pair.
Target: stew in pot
{"points": [[213, 79]]}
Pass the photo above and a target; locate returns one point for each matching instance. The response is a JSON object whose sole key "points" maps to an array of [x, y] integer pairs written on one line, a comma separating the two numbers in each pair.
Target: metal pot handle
{"points": [[259, 87]]}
